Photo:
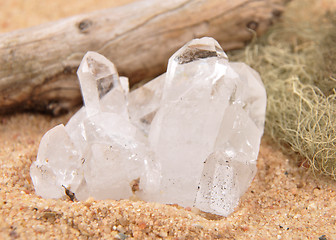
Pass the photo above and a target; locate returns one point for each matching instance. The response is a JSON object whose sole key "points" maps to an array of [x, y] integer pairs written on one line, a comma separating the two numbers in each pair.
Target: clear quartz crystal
{"points": [[57, 165], [191, 136]]}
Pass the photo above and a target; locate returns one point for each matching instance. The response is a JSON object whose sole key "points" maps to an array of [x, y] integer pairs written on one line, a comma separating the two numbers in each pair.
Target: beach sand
{"points": [[285, 200]]}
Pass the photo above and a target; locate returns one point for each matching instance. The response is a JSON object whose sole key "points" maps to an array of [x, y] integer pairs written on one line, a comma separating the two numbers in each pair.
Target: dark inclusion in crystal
{"points": [[105, 85], [70, 194], [192, 54]]}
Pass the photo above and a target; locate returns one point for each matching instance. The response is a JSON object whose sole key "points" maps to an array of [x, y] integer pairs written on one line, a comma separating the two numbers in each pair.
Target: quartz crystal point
{"points": [[191, 136]]}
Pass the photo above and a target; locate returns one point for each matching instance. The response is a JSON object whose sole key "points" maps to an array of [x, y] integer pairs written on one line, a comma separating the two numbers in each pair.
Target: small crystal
{"points": [[97, 75], [191, 136], [56, 165]]}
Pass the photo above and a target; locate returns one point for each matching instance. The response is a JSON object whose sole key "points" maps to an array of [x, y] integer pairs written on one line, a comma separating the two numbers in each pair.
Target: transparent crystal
{"points": [[57, 165], [144, 103], [191, 136]]}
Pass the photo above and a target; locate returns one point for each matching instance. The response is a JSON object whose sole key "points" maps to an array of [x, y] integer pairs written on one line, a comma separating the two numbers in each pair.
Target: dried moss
{"points": [[296, 60]]}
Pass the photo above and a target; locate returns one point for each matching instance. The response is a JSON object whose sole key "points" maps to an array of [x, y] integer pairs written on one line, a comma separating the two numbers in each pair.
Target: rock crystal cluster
{"points": [[191, 136]]}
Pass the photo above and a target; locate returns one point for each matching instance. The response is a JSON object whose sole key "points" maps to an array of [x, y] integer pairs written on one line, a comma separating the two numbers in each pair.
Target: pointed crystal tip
{"points": [[97, 76], [199, 49]]}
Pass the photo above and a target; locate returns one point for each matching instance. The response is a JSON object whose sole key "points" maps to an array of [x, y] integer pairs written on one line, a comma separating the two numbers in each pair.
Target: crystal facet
{"points": [[191, 136]]}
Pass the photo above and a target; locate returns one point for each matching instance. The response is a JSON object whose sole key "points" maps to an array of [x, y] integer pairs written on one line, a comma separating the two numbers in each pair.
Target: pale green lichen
{"points": [[296, 60]]}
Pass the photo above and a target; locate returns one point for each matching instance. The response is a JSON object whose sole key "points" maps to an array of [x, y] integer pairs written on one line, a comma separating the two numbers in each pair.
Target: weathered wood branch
{"points": [[38, 65]]}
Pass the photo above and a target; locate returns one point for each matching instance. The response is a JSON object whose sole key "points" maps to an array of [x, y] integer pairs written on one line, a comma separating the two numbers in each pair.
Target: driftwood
{"points": [[38, 65]]}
